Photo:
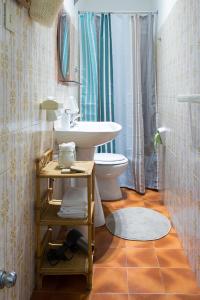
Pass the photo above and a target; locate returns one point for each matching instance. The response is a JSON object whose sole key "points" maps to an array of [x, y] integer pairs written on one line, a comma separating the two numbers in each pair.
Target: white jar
{"points": [[66, 155]]}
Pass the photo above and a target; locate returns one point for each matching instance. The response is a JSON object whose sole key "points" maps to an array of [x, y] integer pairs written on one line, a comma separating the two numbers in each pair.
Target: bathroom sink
{"points": [[87, 134]]}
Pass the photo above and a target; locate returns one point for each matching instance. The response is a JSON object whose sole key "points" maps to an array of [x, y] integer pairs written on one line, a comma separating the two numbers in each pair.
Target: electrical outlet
{"points": [[9, 16]]}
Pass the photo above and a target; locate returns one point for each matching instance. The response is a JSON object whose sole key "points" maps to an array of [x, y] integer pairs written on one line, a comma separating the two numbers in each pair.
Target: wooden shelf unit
{"points": [[46, 209]]}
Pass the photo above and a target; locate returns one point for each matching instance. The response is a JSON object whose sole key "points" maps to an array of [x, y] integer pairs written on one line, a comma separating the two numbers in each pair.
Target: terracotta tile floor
{"points": [[130, 270]]}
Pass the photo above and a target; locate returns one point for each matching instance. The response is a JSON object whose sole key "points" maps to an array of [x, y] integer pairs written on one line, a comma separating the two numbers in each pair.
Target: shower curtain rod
{"points": [[121, 12]]}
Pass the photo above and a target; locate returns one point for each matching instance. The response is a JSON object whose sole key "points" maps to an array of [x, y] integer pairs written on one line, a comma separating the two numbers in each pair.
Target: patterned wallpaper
{"points": [[179, 73], [27, 76]]}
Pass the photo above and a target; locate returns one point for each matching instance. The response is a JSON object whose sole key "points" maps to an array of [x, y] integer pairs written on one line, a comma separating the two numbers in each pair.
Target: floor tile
{"points": [[109, 297], [39, 296], [152, 196], [68, 284], [57, 296], [106, 209], [147, 297], [110, 280], [182, 297], [134, 203], [110, 257], [172, 258], [156, 203], [137, 257], [145, 280], [157, 206], [103, 238], [172, 230], [162, 297], [132, 195], [178, 280], [171, 241], [50, 282], [138, 244], [64, 297], [147, 270], [114, 205]]}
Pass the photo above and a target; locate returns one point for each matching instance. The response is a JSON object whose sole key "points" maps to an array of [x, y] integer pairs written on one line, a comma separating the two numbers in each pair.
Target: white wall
{"points": [[178, 70], [27, 76], [164, 7], [114, 5]]}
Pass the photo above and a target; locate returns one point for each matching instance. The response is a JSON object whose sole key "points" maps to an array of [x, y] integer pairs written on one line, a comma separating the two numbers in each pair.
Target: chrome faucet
{"points": [[74, 117]]}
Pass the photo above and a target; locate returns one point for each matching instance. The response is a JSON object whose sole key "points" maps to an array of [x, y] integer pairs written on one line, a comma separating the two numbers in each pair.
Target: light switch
{"points": [[9, 16]]}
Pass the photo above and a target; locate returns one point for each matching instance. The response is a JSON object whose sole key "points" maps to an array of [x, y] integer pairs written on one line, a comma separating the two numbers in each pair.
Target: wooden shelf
{"points": [[77, 265], [46, 215], [52, 170], [50, 217]]}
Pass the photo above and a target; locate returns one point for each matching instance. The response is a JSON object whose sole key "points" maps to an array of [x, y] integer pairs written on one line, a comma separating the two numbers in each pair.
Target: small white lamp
{"points": [[52, 108]]}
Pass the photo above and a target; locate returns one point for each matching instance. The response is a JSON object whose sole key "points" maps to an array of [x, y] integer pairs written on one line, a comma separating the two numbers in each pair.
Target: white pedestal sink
{"points": [[87, 136]]}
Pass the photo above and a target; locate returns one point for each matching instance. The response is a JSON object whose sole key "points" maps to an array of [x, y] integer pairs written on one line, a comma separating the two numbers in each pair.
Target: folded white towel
{"points": [[78, 216], [74, 204], [74, 215], [68, 210]]}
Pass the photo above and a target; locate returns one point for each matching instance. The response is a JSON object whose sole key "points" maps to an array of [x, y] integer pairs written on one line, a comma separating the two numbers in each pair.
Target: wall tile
{"points": [[179, 73], [27, 77]]}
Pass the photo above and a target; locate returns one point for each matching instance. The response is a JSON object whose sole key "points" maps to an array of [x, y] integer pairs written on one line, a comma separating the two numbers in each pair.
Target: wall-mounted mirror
{"points": [[63, 46]]}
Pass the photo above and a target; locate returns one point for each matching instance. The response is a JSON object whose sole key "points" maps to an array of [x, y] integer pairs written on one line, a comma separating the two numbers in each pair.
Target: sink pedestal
{"points": [[85, 153], [88, 154]]}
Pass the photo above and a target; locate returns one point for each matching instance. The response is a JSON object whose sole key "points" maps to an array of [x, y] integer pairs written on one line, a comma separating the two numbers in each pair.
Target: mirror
{"points": [[63, 46]]}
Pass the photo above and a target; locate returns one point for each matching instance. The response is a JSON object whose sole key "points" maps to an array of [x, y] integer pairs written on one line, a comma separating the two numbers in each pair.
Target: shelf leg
{"points": [[89, 281], [93, 227], [39, 280], [93, 235]]}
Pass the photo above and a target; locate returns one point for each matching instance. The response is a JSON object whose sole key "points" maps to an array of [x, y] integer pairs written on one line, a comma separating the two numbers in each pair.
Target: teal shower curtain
{"points": [[96, 94], [106, 105], [89, 67]]}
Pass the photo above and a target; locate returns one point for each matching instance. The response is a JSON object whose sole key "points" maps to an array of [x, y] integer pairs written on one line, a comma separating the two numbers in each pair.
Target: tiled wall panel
{"points": [[27, 76], [179, 73]]}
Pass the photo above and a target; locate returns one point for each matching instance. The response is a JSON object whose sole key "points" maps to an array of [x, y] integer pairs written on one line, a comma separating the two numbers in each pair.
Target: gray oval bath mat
{"points": [[138, 223]]}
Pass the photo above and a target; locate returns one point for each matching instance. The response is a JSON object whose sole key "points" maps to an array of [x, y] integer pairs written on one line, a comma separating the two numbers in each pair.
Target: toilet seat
{"points": [[110, 159]]}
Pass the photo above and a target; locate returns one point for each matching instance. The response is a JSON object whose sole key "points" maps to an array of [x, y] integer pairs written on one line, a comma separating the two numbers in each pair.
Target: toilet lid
{"points": [[110, 159]]}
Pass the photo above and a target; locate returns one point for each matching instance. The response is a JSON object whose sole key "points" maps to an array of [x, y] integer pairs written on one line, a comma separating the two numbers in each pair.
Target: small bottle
{"points": [[66, 155]]}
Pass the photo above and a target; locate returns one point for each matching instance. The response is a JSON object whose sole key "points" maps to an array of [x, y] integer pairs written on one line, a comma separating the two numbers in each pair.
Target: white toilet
{"points": [[108, 167]]}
